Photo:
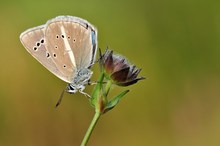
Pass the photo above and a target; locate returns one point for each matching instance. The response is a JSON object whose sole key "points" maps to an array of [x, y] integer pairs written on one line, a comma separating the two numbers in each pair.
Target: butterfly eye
{"points": [[64, 66], [56, 47], [54, 55], [62, 36], [68, 37], [38, 44], [57, 36]]}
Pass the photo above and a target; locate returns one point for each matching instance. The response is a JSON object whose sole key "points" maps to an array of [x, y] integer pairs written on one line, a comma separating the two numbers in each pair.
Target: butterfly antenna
{"points": [[60, 99]]}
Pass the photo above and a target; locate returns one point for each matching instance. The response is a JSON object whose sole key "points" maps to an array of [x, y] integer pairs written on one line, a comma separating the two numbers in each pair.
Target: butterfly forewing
{"points": [[71, 42], [34, 41]]}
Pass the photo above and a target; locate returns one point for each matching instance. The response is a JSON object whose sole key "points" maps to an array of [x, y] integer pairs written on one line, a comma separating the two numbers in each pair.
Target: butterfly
{"points": [[66, 46]]}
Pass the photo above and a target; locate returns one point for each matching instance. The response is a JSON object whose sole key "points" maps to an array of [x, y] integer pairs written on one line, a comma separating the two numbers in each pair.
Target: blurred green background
{"points": [[176, 43]]}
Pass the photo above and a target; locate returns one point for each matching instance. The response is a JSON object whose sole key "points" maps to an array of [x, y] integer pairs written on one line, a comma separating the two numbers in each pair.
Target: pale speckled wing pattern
{"points": [[34, 41], [64, 45], [72, 43]]}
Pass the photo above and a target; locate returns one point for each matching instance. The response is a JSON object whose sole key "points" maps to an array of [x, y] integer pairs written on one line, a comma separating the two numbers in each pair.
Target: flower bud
{"points": [[119, 70]]}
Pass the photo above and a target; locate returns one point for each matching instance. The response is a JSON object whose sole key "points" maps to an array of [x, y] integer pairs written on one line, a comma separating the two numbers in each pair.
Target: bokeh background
{"points": [[176, 43]]}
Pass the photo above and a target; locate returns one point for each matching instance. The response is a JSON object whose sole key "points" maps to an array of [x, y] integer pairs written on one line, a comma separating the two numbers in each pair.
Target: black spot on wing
{"points": [[35, 48], [47, 55]]}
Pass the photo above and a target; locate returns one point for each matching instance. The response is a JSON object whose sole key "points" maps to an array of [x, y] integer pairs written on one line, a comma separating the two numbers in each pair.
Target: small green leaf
{"points": [[97, 91], [112, 103]]}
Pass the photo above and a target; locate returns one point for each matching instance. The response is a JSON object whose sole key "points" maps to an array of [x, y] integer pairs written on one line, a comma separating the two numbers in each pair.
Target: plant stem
{"points": [[90, 129], [107, 87]]}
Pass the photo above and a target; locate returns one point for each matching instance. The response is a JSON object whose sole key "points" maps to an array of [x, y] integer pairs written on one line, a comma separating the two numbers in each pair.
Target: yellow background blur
{"points": [[177, 45]]}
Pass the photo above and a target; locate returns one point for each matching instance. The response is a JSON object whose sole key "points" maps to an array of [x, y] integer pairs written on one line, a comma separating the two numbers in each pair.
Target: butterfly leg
{"points": [[92, 82], [95, 82], [84, 93]]}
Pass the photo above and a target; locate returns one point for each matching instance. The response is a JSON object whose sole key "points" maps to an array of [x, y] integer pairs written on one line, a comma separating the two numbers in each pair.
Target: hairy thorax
{"points": [[82, 77]]}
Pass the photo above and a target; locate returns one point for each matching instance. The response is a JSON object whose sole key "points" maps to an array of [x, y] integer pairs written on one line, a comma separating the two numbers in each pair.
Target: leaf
{"points": [[112, 103], [97, 92]]}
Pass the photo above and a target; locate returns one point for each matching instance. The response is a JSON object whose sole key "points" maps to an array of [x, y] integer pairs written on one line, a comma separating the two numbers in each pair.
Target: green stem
{"points": [[107, 87], [90, 129]]}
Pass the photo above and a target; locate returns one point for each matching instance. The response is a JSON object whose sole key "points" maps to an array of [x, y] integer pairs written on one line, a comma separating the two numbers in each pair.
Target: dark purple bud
{"points": [[134, 74], [119, 63], [119, 70], [109, 62], [131, 82], [121, 75]]}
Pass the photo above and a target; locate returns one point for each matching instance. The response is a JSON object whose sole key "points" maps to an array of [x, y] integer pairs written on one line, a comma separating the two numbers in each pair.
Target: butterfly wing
{"points": [[34, 41], [72, 43]]}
